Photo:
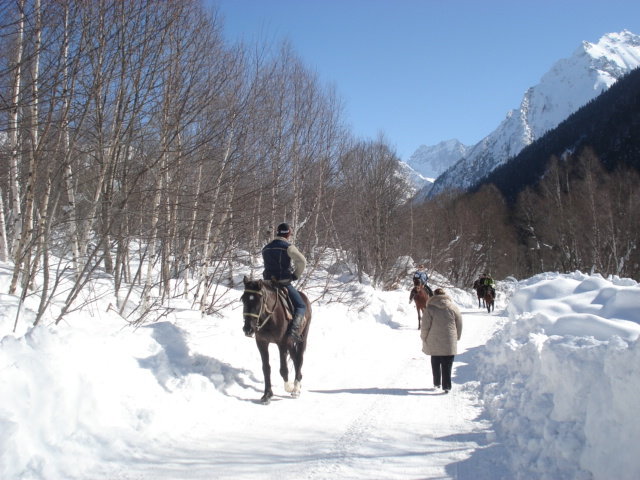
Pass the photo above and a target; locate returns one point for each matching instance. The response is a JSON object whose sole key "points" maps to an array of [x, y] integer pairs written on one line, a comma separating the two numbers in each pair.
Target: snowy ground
{"points": [[96, 399]]}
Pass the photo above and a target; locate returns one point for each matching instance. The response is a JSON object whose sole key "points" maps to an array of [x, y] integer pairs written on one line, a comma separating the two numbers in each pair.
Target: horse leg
{"points": [[419, 316], [489, 301], [284, 368], [296, 352], [263, 348]]}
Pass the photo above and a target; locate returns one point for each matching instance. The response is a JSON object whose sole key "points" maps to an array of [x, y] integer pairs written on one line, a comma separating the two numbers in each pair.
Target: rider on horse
{"points": [[487, 282], [420, 276], [278, 256]]}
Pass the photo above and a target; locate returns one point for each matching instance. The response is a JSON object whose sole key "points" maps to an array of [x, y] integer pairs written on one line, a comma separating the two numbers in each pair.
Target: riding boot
{"points": [[295, 328]]}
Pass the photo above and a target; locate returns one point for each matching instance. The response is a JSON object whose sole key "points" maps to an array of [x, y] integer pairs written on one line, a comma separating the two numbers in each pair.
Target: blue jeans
{"points": [[299, 307]]}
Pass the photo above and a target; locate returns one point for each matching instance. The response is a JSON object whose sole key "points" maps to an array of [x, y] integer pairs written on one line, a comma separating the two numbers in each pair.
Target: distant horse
{"points": [[489, 297], [419, 295], [265, 317], [480, 288]]}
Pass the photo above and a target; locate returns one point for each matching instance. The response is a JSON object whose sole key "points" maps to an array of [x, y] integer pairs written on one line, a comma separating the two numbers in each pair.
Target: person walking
{"points": [[441, 329]]}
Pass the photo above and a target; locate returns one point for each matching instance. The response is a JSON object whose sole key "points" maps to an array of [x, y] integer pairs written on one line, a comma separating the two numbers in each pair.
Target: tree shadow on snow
{"points": [[487, 462], [489, 459], [176, 361], [465, 365]]}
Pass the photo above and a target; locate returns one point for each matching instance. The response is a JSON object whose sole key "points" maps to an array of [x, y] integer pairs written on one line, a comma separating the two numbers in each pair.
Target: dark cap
{"points": [[283, 229]]}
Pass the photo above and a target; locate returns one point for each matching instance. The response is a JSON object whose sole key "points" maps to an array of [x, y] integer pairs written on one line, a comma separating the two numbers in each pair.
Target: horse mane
{"points": [[253, 283], [258, 283]]}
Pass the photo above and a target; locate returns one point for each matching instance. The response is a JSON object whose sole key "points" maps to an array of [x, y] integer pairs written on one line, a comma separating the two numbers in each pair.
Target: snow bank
{"points": [[561, 378]]}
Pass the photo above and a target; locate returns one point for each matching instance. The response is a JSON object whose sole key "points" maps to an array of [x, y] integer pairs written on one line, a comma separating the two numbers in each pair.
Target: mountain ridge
{"points": [[568, 85], [608, 126]]}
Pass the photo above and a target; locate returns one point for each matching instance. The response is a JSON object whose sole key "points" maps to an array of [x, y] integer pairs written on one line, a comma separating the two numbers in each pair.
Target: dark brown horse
{"points": [[479, 288], [419, 295], [265, 317], [489, 298]]}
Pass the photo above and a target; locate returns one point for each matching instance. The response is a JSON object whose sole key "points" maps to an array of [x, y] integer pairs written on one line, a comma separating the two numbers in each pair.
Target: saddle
{"points": [[283, 298]]}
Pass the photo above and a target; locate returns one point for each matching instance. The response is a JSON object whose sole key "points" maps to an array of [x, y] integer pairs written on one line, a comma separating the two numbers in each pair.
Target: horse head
{"points": [[252, 305]]}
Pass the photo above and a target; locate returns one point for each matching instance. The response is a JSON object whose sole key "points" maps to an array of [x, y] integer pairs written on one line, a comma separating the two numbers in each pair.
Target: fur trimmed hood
{"points": [[441, 301]]}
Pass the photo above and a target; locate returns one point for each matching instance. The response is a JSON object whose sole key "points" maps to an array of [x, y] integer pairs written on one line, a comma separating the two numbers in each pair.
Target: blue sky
{"points": [[423, 71]]}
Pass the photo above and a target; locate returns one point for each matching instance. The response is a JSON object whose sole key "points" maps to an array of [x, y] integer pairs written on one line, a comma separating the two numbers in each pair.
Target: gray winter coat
{"points": [[441, 326]]}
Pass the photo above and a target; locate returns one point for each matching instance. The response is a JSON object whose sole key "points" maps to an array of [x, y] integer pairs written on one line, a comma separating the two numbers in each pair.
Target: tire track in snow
{"points": [[352, 440], [348, 447], [384, 426]]}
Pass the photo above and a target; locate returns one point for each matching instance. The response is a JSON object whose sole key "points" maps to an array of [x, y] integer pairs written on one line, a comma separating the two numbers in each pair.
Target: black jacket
{"points": [[277, 263]]}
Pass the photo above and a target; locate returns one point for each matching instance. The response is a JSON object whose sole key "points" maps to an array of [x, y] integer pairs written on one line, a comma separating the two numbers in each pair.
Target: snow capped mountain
{"points": [[415, 180], [432, 161], [427, 163], [568, 85]]}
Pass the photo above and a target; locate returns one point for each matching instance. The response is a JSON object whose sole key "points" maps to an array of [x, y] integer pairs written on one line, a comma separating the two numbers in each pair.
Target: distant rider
{"points": [[421, 275], [488, 282]]}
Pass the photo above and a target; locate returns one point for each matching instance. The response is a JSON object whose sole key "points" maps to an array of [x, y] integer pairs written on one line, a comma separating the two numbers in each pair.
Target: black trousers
{"points": [[441, 366]]}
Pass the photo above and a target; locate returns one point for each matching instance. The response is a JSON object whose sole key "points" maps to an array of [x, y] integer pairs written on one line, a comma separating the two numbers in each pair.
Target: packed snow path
{"points": [[367, 410], [178, 398]]}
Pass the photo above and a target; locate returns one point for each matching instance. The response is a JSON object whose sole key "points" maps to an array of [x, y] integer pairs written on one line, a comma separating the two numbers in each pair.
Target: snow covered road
{"points": [[368, 410], [178, 398]]}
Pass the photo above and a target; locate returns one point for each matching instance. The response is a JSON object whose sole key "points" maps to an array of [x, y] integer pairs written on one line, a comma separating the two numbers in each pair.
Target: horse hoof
{"points": [[295, 391], [288, 387]]}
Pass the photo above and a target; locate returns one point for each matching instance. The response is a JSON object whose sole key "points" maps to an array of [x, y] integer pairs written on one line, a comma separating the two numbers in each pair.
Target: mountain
{"points": [[427, 163], [609, 126], [416, 181], [432, 161], [567, 86]]}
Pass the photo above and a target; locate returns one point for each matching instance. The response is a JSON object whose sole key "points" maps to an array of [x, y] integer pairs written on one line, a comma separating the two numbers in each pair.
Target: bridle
{"points": [[263, 309]]}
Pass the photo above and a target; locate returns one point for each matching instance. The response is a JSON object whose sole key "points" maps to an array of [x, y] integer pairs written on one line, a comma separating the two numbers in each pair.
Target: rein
{"points": [[263, 309]]}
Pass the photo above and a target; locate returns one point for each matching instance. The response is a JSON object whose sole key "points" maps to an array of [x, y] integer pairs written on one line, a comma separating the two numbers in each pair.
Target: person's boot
{"points": [[295, 328]]}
